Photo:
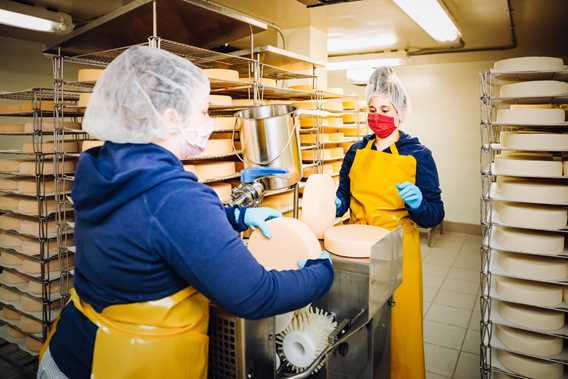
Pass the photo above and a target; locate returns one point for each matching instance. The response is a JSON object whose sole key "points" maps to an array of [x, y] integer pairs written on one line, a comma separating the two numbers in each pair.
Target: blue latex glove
{"points": [[337, 204], [323, 255], [411, 194], [256, 217]]}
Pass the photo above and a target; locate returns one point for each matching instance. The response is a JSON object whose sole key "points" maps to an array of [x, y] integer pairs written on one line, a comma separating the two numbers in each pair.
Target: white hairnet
{"points": [[384, 82], [131, 95]]}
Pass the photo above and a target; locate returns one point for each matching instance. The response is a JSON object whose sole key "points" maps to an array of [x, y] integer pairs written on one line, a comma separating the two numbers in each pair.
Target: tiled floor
{"points": [[451, 306]]}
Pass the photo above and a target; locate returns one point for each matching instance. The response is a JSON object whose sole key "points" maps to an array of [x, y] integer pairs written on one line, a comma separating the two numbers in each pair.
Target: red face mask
{"points": [[383, 126]]}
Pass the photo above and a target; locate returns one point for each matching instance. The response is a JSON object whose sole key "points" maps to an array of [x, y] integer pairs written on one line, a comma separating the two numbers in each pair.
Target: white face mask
{"points": [[195, 139]]}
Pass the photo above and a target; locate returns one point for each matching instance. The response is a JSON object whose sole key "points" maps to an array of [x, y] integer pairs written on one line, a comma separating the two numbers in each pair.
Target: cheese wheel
{"points": [[214, 170], [222, 74], [536, 88], [528, 191], [354, 118], [9, 184], [33, 247], [29, 325], [217, 147], [534, 267], [10, 260], [53, 288], [565, 168], [528, 342], [11, 279], [527, 165], [312, 122], [220, 100], [358, 131], [318, 205], [84, 99], [9, 203], [12, 128], [336, 91], [14, 333], [89, 144], [29, 168], [333, 106], [530, 367], [302, 87], [534, 141], [354, 241], [49, 148], [9, 314], [31, 305], [244, 102], [265, 82], [90, 74], [33, 267], [29, 207], [528, 241], [291, 241], [323, 138], [33, 345], [531, 318], [7, 295], [529, 64], [223, 190], [9, 165], [225, 123], [535, 106], [323, 154], [349, 104], [527, 292], [281, 201], [530, 116], [330, 168]]}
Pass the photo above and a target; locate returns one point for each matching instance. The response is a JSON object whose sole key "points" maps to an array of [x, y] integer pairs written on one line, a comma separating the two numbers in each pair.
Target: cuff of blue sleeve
{"points": [[418, 211], [237, 222]]}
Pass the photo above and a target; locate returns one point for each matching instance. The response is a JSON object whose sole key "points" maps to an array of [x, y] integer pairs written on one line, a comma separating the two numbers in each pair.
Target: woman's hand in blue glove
{"points": [[323, 255], [411, 194], [337, 204], [257, 217]]}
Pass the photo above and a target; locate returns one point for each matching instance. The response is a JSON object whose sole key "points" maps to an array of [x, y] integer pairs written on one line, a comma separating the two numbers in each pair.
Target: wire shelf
{"points": [[36, 94]]}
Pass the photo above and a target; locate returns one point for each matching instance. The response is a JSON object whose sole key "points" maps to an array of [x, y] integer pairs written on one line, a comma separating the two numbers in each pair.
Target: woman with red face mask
{"points": [[389, 179]]}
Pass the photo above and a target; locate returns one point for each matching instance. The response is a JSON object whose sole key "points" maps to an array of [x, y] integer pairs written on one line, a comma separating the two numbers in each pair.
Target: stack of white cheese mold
{"points": [[525, 219]]}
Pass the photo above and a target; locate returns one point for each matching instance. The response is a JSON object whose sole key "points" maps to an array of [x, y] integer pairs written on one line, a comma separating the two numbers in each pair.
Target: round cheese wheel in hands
{"points": [[353, 241], [291, 241], [318, 205]]}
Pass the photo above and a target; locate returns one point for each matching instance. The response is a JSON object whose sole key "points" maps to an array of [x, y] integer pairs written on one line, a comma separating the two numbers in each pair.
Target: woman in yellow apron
{"points": [[389, 179], [153, 245]]}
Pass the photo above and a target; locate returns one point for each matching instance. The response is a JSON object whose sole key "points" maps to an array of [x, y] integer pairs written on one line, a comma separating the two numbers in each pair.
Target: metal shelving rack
{"points": [[491, 130], [39, 246]]}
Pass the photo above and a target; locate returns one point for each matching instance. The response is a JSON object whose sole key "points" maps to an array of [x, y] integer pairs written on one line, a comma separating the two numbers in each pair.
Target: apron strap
{"points": [[392, 147]]}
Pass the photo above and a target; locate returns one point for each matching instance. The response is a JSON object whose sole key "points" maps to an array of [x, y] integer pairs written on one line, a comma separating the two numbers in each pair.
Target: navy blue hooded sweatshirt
{"points": [[431, 212], [145, 229]]}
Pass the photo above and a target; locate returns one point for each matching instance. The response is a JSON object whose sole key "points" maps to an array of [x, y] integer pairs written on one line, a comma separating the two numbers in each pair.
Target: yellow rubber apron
{"points": [[375, 200], [165, 338]]}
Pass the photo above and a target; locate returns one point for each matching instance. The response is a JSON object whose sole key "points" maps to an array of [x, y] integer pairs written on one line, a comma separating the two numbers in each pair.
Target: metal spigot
{"points": [[251, 190]]}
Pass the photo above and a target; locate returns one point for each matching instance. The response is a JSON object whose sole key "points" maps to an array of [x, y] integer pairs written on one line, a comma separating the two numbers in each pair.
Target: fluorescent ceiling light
{"points": [[348, 43], [432, 17], [33, 18]]}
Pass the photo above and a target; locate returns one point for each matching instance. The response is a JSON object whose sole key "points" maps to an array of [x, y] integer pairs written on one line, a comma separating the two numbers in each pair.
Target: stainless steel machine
{"points": [[358, 345]]}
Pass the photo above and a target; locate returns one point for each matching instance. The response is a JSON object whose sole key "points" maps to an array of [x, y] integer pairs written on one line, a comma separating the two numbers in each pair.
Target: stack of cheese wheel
{"points": [[224, 124], [220, 100], [207, 171]]}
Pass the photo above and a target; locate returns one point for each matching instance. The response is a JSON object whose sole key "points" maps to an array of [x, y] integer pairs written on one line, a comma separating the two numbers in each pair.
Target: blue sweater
{"points": [[431, 211], [144, 229]]}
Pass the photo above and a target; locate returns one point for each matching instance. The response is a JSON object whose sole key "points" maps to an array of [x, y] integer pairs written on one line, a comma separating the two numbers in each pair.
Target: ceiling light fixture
{"points": [[367, 61], [34, 18], [431, 16], [345, 44]]}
